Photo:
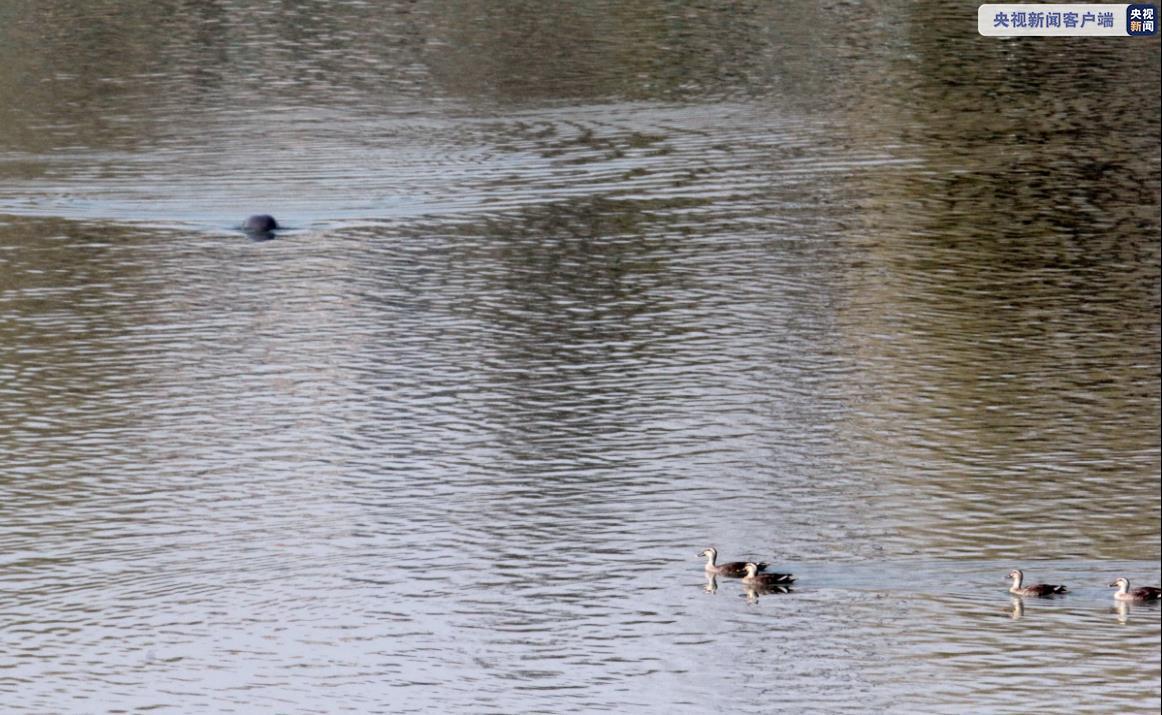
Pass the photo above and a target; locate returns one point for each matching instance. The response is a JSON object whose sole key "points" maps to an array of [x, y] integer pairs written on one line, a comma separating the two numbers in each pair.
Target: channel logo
{"points": [[1067, 20]]}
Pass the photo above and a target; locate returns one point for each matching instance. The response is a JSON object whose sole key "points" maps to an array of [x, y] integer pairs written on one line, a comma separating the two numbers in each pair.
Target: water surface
{"points": [[569, 294]]}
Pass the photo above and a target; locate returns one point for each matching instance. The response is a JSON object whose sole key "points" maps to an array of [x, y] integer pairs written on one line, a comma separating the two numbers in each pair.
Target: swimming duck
{"points": [[1037, 589], [733, 569], [765, 580], [1139, 594]]}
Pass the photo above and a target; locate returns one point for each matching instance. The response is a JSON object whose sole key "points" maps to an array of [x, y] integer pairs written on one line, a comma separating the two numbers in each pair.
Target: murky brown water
{"points": [[569, 293]]}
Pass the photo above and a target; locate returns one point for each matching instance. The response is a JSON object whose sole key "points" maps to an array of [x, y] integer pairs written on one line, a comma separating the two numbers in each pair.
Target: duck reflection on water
{"points": [[754, 591], [1016, 608]]}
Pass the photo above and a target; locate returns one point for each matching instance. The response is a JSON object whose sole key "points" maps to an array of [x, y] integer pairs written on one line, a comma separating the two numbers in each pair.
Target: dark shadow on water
{"points": [[260, 236]]}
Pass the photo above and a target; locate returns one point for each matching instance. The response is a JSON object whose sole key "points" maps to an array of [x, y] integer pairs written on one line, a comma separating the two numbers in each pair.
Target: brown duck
{"points": [[1037, 589], [1138, 595], [765, 580], [732, 569]]}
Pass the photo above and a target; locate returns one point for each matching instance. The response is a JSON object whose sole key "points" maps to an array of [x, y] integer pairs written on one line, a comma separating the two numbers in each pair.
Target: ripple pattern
{"points": [[568, 294]]}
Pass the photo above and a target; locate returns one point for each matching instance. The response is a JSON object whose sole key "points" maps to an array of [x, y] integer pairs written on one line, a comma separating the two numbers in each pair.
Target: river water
{"points": [[569, 292]]}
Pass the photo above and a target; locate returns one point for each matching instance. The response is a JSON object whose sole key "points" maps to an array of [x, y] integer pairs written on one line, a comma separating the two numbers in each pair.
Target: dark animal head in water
{"points": [[260, 223]]}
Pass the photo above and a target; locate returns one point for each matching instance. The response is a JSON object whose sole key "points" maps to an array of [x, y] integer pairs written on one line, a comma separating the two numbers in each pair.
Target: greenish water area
{"points": [[566, 293]]}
